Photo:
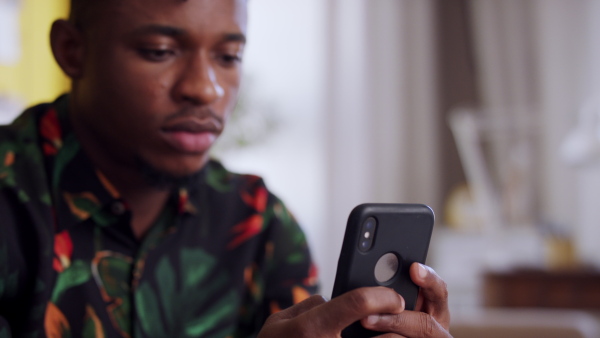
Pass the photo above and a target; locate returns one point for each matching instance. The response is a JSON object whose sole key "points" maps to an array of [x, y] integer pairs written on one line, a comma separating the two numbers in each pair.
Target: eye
{"points": [[156, 55], [229, 60]]}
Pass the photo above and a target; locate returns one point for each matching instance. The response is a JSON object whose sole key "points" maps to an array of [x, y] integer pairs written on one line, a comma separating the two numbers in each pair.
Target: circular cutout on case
{"points": [[386, 267]]}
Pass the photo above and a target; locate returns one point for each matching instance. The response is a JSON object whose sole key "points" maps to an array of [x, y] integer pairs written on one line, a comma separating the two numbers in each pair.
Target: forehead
{"points": [[204, 15]]}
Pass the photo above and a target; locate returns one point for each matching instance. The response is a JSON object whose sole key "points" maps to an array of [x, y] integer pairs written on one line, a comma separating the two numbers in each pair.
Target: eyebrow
{"points": [[234, 37], [175, 32], [159, 29]]}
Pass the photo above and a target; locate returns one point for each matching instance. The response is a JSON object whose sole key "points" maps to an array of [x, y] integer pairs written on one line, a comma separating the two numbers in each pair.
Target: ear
{"points": [[68, 47]]}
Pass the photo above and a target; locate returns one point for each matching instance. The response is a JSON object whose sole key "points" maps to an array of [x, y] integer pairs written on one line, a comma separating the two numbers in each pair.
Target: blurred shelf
{"points": [[525, 323], [571, 289]]}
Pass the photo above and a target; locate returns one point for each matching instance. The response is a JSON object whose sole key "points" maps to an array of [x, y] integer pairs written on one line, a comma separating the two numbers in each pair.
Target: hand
{"points": [[316, 317], [431, 317], [380, 309]]}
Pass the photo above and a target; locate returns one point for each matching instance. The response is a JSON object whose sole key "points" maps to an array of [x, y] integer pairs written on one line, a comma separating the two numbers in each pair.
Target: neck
{"points": [[146, 201]]}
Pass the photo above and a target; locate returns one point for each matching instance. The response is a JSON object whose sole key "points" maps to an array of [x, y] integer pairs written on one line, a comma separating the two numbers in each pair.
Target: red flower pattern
{"points": [[258, 201], [246, 230], [51, 132], [312, 278], [63, 250], [252, 226]]}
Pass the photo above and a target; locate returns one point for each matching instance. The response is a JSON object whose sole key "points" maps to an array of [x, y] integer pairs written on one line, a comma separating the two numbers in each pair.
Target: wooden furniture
{"points": [[525, 323], [572, 289]]}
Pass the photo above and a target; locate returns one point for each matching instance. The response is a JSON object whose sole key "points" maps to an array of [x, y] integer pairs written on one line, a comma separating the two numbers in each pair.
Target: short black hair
{"points": [[81, 10]]}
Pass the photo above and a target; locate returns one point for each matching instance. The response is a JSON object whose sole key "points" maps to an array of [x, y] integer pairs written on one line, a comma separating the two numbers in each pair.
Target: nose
{"points": [[198, 82]]}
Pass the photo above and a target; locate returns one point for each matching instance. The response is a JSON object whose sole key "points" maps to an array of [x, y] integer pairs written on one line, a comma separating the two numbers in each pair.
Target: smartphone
{"points": [[380, 244]]}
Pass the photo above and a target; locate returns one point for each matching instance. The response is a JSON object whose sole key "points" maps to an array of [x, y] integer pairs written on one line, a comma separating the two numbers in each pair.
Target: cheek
{"points": [[154, 92], [232, 99], [143, 84], [232, 83], [130, 74], [140, 94]]}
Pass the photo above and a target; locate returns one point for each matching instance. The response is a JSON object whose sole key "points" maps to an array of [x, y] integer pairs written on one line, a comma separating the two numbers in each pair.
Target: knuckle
{"points": [[444, 293], [397, 322], [314, 300], [300, 330], [428, 325], [438, 290]]}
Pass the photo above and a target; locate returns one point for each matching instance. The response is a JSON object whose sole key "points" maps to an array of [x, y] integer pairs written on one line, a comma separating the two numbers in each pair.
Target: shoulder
{"points": [[24, 127], [251, 191], [24, 197], [21, 160], [21, 136]]}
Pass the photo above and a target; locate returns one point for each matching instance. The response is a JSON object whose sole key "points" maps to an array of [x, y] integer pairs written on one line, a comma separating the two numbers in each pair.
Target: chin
{"points": [[182, 171], [181, 174], [180, 165]]}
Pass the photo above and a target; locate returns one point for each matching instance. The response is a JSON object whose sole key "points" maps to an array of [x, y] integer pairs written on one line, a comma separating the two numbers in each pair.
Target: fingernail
{"points": [[422, 271], [372, 319]]}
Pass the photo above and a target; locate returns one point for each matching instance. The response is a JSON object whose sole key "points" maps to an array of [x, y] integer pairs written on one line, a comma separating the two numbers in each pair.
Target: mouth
{"points": [[192, 136]]}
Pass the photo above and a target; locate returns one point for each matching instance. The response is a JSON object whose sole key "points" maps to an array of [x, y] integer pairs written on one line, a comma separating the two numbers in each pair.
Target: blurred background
{"points": [[486, 110]]}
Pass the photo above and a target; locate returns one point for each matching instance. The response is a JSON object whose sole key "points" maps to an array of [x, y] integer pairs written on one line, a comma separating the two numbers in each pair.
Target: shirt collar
{"points": [[80, 189]]}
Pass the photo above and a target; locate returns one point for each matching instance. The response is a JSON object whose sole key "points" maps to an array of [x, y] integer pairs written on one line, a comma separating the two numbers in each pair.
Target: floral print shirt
{"points": [[223, 255]]}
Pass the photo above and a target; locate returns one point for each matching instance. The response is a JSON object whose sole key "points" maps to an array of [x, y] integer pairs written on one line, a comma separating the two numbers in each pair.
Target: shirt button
{"points": [[117, 208]]}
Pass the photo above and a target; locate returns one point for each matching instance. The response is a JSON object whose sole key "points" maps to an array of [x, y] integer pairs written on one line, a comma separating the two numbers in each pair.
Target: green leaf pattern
{"points": [[181, 299], [78, 273]]}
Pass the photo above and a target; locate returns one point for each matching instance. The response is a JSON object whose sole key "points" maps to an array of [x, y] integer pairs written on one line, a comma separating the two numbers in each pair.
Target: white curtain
{"points": [[538, 63], [586, 211]]}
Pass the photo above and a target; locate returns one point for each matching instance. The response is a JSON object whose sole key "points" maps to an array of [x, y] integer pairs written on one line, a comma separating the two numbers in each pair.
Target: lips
{"points": [[192, 135]]}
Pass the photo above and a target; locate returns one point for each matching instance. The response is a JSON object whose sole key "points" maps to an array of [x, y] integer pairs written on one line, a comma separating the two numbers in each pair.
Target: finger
{"points": [[433, 287], [354, 305], [286, 322], [419, 304], [408, 323], [433, 293], [298, 309]]}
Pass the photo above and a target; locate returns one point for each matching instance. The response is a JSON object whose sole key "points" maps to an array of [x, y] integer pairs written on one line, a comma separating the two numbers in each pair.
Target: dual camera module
{"points": [[388, 264], [367, 234]]}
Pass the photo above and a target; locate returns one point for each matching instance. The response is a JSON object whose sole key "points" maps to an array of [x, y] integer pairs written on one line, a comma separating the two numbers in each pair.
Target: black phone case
{"points": [[403, 229]]}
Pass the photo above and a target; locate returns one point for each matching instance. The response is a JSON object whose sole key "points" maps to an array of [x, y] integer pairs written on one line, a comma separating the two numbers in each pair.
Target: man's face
{"points": [[160, 78]]}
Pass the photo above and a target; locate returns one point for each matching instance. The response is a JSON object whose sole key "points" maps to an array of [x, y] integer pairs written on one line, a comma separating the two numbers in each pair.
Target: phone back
{"points": [[382, 255]]}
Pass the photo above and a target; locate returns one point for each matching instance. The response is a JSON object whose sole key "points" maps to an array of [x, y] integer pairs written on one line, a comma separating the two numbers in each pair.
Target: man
{"points": [[116, 223]]}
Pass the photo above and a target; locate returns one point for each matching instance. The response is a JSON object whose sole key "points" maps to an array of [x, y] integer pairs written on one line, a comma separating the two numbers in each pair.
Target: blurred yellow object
{"points": [[560, 253], [460, 211], [36, 77]]}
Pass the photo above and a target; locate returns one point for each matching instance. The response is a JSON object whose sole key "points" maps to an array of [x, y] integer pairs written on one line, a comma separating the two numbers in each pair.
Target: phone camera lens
{"points": [[367, 234]]}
